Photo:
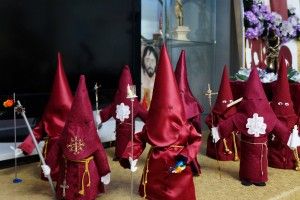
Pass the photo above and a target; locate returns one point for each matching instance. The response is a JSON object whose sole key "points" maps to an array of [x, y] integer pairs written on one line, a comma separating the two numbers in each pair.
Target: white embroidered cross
{"points": [[122, 112], [256, 125]]}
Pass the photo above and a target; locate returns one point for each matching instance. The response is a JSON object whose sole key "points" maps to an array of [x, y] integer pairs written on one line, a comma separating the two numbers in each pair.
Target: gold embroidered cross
{"points": [[76, 145]]}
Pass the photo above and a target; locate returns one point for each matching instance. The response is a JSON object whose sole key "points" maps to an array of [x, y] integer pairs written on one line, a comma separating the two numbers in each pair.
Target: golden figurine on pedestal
{"points": [[180, 32], [179, 12]]}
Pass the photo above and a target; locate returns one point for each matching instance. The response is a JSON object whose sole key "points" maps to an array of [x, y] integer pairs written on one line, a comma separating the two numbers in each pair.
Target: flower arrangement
{"points": [[259, 21], [265, 76]]}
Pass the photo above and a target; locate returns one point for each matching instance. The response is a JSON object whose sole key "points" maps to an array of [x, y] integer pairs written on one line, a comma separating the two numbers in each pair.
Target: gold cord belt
{"points": [[86, 172], [46, 147]]}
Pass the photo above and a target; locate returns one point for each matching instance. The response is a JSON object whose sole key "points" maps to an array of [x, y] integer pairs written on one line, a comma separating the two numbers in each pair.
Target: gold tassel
{"points": [[297, 167], [236, 155], [227, 151], [145, 172], [86, 172]]}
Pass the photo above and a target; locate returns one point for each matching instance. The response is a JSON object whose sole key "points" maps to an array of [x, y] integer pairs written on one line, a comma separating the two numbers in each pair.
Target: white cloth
{"points": [[97, 118], [105, 179], [133, 167], [256, 125], [122, 112], [46, 170], [215, 134], [17, 151], [294, 139]]}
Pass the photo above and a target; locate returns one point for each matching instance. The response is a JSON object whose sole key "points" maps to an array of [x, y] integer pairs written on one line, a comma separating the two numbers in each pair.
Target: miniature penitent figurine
{"points": [[175, 143], [83, 162]]}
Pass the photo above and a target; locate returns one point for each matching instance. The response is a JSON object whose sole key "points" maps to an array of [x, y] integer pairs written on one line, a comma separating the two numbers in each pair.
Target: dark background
{"points": [[96, 38]]}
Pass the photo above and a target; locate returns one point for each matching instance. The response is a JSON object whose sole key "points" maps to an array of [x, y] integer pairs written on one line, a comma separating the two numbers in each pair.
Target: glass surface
{"points": [[199, 18]]}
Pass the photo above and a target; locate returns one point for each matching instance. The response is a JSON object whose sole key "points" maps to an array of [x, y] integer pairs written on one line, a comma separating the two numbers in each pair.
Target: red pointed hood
{"points": [[59, 103], [282, 102], [166, 114], [121, 93], [254, 89], [124, 81], [224, 96], [80, 134], [191, 105]]}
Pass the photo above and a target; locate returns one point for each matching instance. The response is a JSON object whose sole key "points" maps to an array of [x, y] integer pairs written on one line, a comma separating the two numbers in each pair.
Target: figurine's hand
{"points": [[132, 162], [179, 167], [215, 134], [46, 170], [97, 118], [294, 139], [105, 179], [17, 151]]}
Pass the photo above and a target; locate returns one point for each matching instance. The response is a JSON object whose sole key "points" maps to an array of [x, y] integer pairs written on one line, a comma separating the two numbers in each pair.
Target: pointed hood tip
{"points": [[124, 80], [190, 103], [254, 88], [225, 95], [166, 115]]}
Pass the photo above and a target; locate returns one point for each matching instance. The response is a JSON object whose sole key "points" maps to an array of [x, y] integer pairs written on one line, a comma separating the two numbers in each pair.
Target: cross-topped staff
{"points": [[209, 93]]}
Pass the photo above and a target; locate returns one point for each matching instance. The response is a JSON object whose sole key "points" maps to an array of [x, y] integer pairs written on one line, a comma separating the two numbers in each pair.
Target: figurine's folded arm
{"points": [[190, 151], [107, 112], [138, 146], [27, 146]]}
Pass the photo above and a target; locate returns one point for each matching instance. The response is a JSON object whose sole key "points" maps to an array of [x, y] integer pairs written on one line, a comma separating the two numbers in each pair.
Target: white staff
{"points": [[131, 95], [16, 179], [21, 110], [97, 116]]}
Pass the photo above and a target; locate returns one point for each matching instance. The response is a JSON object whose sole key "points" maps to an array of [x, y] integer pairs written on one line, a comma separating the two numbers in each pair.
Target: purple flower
{"points": [[251, 33], [263, 9], [260, 29], [251, 18], [255, 9], [269, 17]]}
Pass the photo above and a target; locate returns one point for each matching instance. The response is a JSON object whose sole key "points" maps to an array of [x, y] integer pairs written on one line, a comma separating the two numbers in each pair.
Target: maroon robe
{"points": [[53, 119], [79, 152], [254, 151], [123, 129], [73, 172], [220, 112]]}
